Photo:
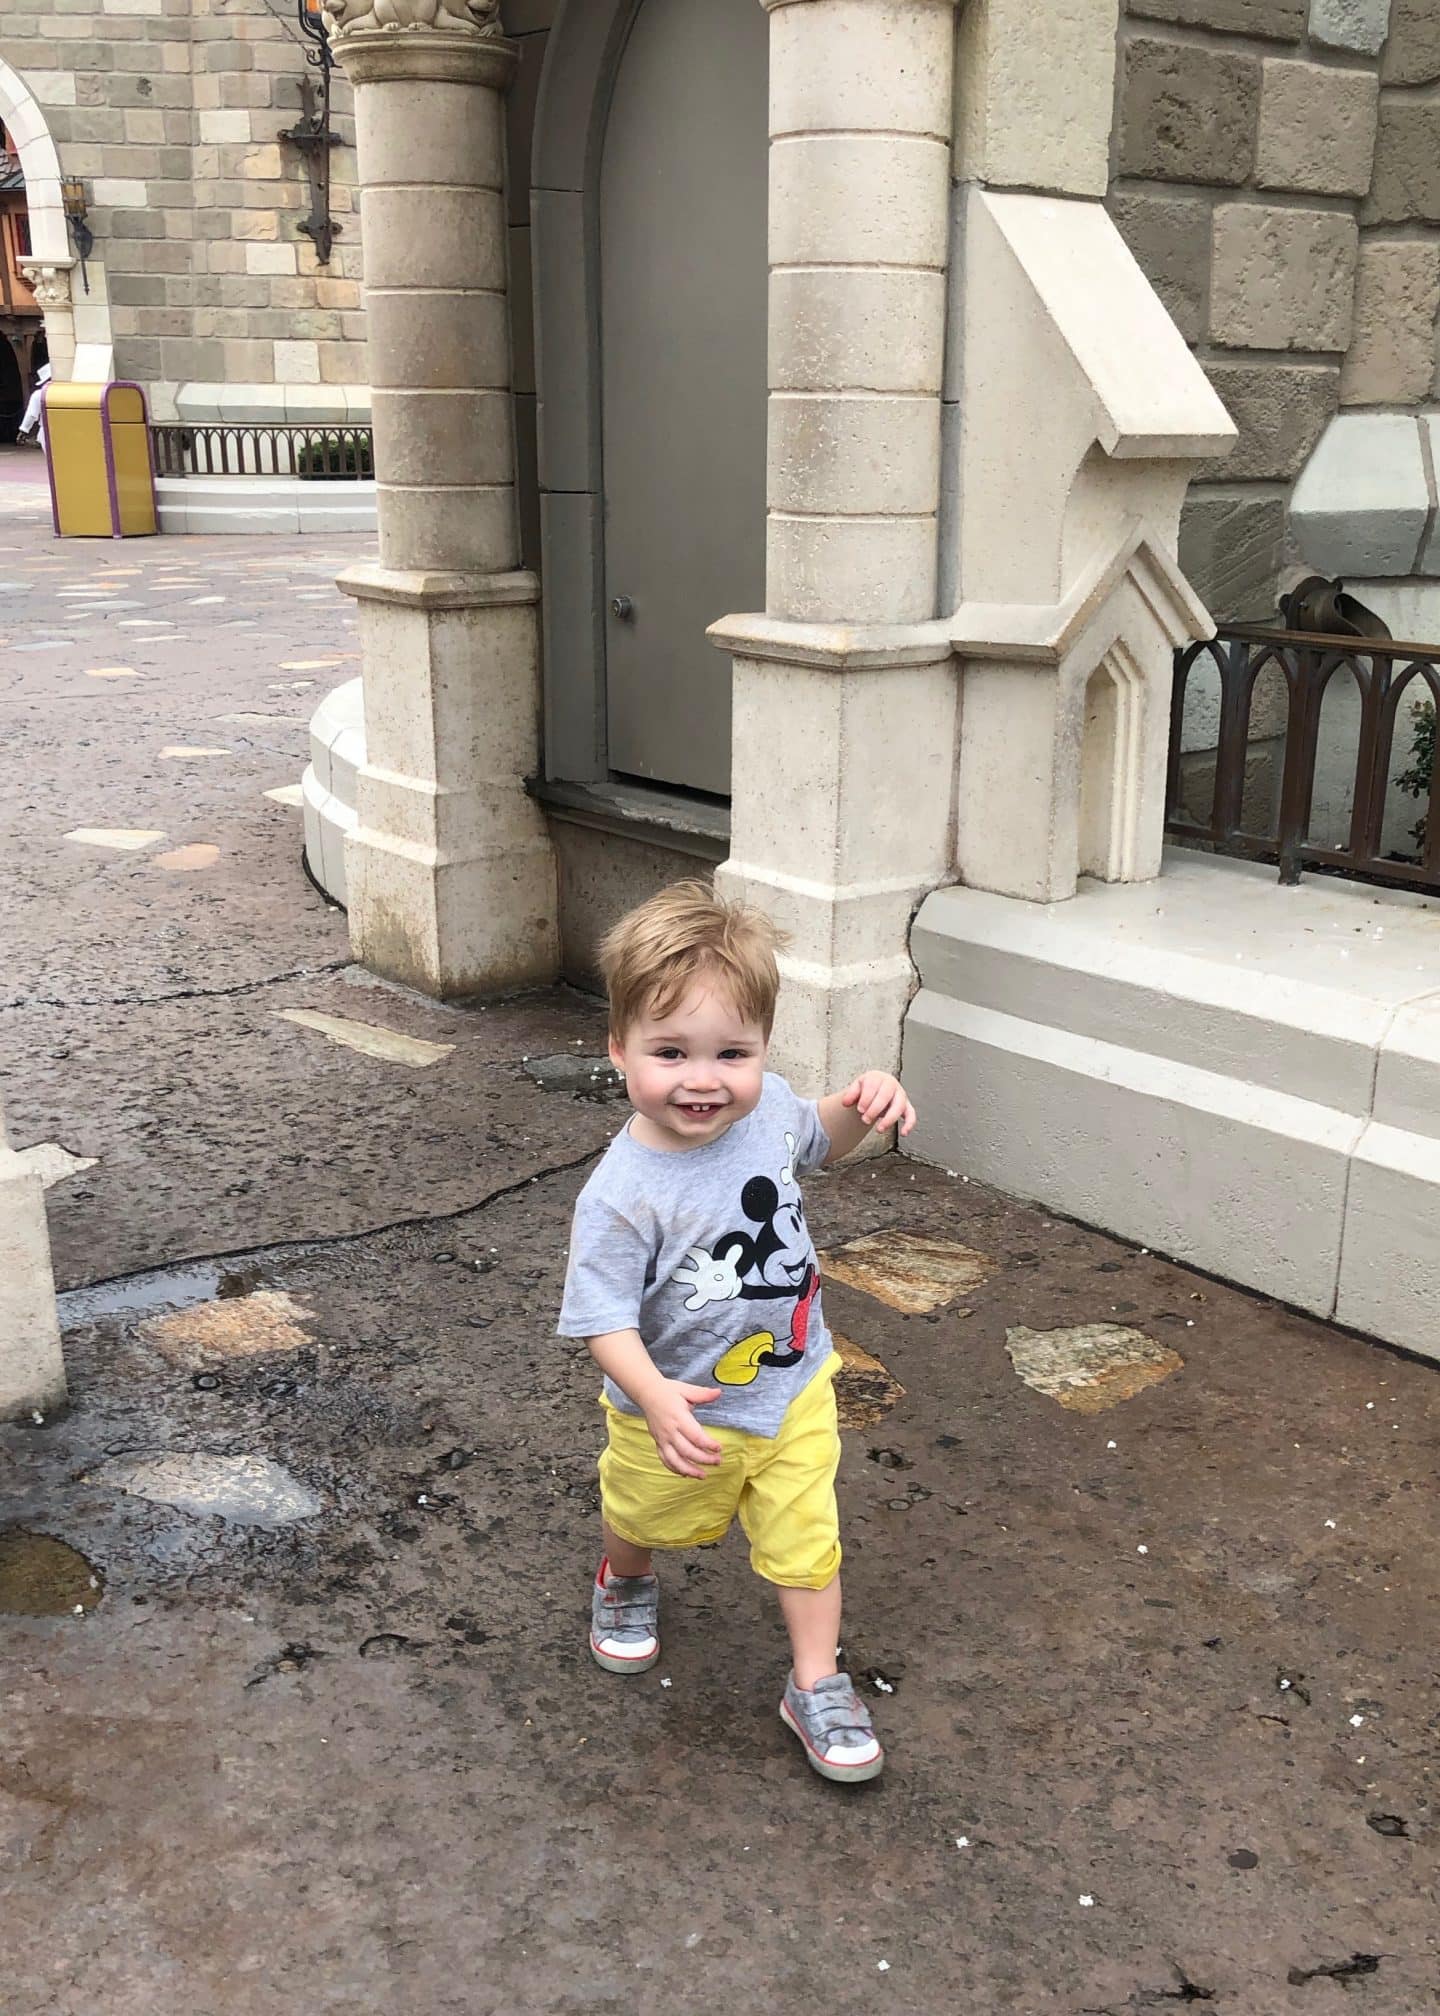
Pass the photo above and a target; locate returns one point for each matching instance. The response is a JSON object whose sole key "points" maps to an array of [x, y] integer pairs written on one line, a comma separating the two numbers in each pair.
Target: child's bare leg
{"points": [[812, 1617], [624, 1558]]}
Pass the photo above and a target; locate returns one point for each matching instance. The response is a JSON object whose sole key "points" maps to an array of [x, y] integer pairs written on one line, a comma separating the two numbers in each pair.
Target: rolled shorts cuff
{"points": [[820, 1577]]}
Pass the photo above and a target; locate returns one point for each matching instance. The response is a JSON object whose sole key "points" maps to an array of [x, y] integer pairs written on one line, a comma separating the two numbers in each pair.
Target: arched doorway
{"points": [[46, 265], [649, 208]]}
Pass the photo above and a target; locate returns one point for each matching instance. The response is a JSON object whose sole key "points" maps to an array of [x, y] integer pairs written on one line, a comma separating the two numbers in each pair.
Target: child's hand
{"points": [[684, 1446], [881, 1101]]}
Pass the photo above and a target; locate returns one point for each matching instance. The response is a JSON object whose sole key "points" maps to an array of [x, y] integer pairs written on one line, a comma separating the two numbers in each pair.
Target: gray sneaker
{"points": [[834, 1725], [625, 1621]]}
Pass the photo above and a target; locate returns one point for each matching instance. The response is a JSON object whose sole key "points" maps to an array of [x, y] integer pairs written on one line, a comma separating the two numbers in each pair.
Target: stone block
{"points": [[1281, 411], [863, 67], [297, 363], [883, 330], [1277, 20], [1360, 25], [1391, 360], [261, 164], [1232, 544], [224, 127], [115, 193], [1035, 111], [1317, 128], [1362, 502], [858, 199], [1281, 279], [1412, 53], [1170, 237], [263, 258], [1405, 187], [1189, 112], [853, 454]]}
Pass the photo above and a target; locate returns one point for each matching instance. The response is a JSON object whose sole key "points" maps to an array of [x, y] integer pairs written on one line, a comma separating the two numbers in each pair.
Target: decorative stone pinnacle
{"points": [[367, 17]]}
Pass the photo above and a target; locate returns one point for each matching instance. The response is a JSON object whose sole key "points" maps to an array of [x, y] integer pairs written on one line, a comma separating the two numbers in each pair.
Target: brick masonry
{"points": [[168, 111], [1276, 171]]}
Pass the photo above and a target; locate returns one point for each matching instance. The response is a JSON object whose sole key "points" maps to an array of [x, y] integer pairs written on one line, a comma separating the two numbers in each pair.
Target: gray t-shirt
{"points": [[706, 1253]]}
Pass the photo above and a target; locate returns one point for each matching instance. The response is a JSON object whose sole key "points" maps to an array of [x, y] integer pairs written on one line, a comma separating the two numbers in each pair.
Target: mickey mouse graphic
{"points": [[773, 1263]]}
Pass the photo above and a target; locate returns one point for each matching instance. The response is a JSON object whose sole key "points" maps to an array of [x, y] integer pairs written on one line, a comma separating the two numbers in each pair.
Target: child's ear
{"points": [[617, 1056]]}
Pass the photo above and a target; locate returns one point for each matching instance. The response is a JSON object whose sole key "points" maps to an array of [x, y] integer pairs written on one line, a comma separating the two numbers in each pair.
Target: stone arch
{"points": [[50, 260]]}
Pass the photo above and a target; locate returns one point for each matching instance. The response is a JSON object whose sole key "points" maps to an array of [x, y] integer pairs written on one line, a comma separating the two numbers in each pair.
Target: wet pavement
{"points": [[1157, 1680]]}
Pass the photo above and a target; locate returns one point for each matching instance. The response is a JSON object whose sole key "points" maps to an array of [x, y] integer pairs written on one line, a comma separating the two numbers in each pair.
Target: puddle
{"points": [[43, 1577], [906, 1270], [1091, 1366], [163, 1288], [244, 1490]]}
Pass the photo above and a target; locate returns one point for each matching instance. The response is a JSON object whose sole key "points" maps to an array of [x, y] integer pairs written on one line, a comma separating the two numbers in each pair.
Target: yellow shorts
{"points": [[783, 1490]]}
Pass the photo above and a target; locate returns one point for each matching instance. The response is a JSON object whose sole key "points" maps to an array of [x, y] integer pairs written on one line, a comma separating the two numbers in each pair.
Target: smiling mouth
{"points": [[698, 1110]]}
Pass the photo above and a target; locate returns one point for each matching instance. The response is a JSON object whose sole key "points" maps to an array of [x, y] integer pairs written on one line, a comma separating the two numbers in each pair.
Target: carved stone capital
{"points": [[363, 17], [428, 41], [49, 282], [424, 41]]}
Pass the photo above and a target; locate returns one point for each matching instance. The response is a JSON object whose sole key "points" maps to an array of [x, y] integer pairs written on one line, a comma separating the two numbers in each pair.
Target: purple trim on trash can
{"points": [[49, 465], [125, 385]]}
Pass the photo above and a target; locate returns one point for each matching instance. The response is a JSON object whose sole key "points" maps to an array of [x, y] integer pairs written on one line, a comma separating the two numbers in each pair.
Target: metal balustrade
{"points": [[262, 448], [1252, 791]]}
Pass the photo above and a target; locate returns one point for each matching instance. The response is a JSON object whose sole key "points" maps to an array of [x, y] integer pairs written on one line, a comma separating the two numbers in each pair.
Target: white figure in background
{"points": [[32, 427]]}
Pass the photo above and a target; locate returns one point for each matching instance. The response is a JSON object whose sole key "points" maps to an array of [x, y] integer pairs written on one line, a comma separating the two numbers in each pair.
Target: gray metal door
{"points": [[682, 338]]}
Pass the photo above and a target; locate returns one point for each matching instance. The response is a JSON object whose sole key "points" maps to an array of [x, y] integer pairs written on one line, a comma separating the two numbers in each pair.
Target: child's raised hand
{"points": [[881, 1101], [684, 1446]]}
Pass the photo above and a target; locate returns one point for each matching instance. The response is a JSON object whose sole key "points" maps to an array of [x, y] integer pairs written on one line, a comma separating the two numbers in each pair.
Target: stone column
{"points": [[845, 718], [32, 1370], [450, 873]]}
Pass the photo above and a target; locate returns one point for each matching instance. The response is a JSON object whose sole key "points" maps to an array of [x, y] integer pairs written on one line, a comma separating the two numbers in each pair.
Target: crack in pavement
{"points": [[180, 994], [258, 1255]]}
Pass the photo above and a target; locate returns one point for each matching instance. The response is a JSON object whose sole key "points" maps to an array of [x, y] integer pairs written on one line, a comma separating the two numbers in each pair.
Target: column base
{"points": [[836, 832], [32, 1369], [449, 869]]}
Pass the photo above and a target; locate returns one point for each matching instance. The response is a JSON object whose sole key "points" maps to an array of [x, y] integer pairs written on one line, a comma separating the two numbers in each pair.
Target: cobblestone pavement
{"points": [[1158, 1681]]}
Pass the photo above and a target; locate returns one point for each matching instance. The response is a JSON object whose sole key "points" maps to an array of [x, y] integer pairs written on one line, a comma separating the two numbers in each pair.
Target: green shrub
{"points": [[336, 456], [1415, 781]]}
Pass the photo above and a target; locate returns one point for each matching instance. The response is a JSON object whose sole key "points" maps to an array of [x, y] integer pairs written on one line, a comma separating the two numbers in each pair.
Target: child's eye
{"points": [[669, 1055], [734, 1055]]}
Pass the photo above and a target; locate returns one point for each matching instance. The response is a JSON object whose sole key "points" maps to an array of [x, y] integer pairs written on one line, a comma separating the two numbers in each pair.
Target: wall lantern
{"points": [[311, 132], [72, 194]]}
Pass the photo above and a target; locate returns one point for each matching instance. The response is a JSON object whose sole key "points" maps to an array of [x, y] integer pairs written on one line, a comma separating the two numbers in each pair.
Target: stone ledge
{"points": [[205, 405], [425, 589], [1115, 1059]]}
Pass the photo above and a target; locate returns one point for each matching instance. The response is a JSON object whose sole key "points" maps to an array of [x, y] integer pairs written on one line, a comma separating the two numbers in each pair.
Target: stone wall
{"points": [[168, 110], [1276, 170]]}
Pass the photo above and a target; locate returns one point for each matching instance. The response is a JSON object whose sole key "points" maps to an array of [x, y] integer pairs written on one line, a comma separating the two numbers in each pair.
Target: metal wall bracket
{"points": [[311, 134]]}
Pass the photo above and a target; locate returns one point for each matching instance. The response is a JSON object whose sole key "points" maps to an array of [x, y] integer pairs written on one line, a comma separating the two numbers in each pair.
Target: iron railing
{"points": [[1253, 793], [262, 449]]}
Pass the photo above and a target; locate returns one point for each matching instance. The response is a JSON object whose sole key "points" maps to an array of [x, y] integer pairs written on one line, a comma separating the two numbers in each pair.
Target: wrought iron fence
{"points": [[263, 449], [1243, 765]]}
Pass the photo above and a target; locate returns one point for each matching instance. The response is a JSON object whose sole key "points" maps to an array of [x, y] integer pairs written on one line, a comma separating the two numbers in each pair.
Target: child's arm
{"points": [[665, 1403], [875, 1099]]}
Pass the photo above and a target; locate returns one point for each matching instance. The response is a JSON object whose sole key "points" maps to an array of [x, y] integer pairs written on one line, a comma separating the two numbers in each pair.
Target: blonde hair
{"points": [[656, 953]]}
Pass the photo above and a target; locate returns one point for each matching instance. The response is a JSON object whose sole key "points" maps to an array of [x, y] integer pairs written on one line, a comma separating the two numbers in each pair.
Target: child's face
{"points": [[691, 1073]]}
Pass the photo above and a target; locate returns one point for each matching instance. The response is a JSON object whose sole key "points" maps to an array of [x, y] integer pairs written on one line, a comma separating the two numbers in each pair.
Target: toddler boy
{"points": [[693, 1280]]}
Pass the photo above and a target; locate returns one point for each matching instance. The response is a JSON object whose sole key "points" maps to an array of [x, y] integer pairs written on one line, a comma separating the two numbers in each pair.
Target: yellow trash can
{"points": [[97, 450]]}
